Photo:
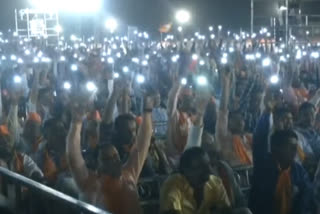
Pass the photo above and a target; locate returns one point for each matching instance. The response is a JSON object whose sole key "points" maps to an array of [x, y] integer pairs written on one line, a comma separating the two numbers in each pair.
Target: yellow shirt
{"points": [[177, 194]]}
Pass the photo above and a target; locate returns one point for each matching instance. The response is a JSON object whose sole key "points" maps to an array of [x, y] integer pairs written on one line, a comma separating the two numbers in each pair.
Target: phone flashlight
{"points": [[144, 62], [282, 59], [40, 54], [231, 50], [202, 62], [174, 59], [45, 59], [184, 81], [315, 55], [20, 61], [140, 79], [125, 69], [27, 52], [67, 85], [258, 55], [13, 58], [266, 62], [36, 60], [250, 57], [91, 87], [212, 36], [298, 56], [274, 79], [62, 58], [202, 81], [119, 55], [194, 56], [224, 60], [74, 67], [116, 75], [3, 58], [17, 79], [135, 60]]}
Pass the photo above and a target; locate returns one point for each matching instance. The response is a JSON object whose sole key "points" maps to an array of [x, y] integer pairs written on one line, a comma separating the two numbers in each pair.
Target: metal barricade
{"points": [[22, 185], [243, 175]]}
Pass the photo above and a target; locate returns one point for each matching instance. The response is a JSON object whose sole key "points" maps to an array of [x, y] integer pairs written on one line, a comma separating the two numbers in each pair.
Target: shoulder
{"points": [[176, 181]]}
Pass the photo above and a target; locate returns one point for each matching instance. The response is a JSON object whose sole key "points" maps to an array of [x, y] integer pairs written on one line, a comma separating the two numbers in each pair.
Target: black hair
{"points": [[306, 106], [122, 120], [280, 111], [44, 91], [49, 124], [280, 138], [188, 156]]}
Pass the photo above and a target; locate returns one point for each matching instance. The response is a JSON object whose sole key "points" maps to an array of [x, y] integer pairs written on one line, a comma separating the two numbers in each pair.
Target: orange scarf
{"points": [[240, 150], [301, 154], [18, 163], [283, 194]]}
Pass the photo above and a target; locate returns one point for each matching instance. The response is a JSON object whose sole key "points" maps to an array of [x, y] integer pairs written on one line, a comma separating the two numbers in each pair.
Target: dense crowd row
{"points": [[91, 119]]}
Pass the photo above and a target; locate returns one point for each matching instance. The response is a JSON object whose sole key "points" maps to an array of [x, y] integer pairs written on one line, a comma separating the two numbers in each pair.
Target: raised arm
{"points": [[13, 122], [139, 153], [75, 160], [107, 117], [222, 119], [34, 90], [173, 99], [196, 130]]}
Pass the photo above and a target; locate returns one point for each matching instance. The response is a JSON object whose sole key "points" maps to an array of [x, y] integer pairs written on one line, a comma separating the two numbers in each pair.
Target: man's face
{"points": [[109, 162], [128, 135], [200, 171], [284, 123], [307, 117]]}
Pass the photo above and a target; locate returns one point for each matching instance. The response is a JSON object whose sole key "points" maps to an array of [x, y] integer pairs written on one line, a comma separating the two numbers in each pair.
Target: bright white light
{"points": [[73, 38], [194, 56], [183, 16], [118, 55], [212, 36], [237, 37], [201, 62], [220, 27], [116, 75], [298, 56], [253, 35], [125, 69], [45, 59], [250, 57], [307, 32], [144, 62], [180, 29], [36, 60], [62, 58], [274, 79], [283, 8], [304, 53], [3, 58], [110, 60], [17, 79], [67, 85], [13, 57], [135, 60], [91, 87], [210, 28], [174, 59], [315, 55], [282, 59], [224, 60], [74, 6], [102, 59], [27, 52], [111, 24], [224, 55], [74, 67], [202, 80], [231, 50], [184, 81], [266, 62], [140, 78], [20, 61], [58, 29]]}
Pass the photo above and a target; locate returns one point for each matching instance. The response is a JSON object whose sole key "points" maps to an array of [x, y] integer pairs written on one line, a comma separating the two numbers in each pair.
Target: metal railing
{"points": [[22, 184]]}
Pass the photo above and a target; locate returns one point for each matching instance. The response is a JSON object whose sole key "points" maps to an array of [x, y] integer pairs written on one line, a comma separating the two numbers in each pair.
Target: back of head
{"points": [[280, 111], [281, 138], [305, 107], [188, 157], [122, 120]]}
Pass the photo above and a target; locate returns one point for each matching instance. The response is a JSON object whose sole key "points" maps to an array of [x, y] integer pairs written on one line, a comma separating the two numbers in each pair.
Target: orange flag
{"points": [[165, 28]]}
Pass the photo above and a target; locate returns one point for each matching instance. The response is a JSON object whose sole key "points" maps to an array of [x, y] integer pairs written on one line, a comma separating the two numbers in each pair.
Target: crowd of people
{"points": [[92, 118]]}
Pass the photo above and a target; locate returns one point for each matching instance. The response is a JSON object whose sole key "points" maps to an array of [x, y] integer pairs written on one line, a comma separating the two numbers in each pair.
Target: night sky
{"points": [[149, 14]]}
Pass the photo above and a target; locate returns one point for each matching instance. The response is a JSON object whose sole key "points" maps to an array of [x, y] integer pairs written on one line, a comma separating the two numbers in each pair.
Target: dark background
{"points": [[150, 14]]}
